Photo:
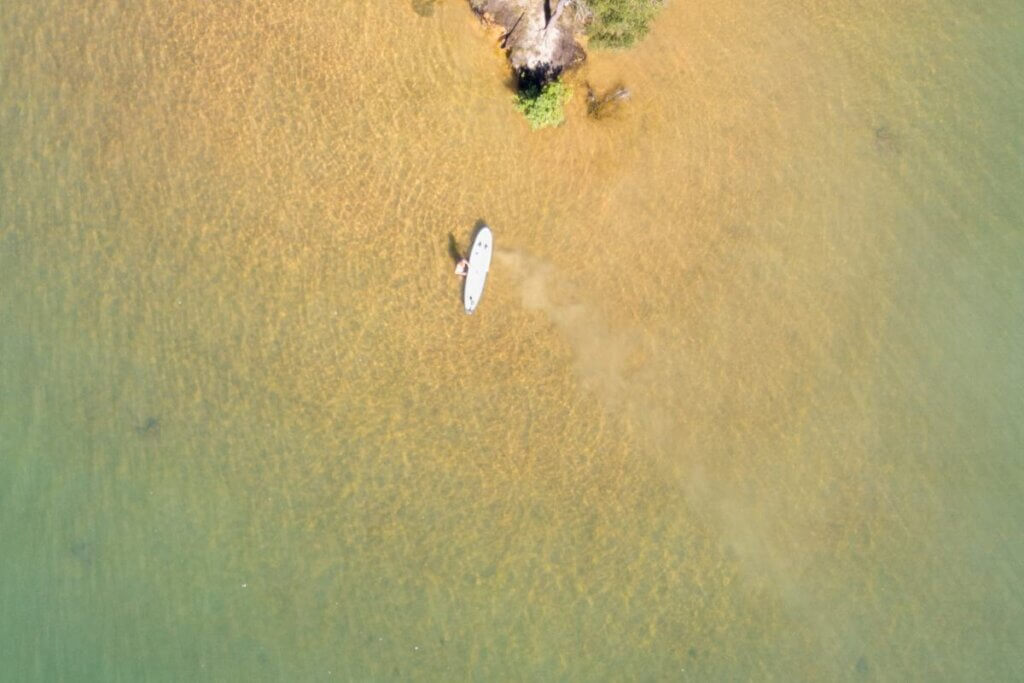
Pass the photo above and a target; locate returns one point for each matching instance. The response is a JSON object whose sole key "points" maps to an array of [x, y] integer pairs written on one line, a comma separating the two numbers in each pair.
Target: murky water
{"points": [[743, 398]]}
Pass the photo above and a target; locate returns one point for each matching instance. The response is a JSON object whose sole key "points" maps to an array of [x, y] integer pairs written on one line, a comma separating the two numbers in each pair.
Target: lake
{"points": [[743, 399]]}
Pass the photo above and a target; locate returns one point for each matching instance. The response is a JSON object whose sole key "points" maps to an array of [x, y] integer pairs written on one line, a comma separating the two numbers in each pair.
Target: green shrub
{"points": [[544, 106], [619, 23]]}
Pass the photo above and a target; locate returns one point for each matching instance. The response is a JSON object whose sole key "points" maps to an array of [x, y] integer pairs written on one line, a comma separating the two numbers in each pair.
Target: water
{"points": [[743, 398]]}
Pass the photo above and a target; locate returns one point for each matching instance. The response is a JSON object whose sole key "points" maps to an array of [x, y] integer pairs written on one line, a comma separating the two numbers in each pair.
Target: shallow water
{"points": [[742, 400]]}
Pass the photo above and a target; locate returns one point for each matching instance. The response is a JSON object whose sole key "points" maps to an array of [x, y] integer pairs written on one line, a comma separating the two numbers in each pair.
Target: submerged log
{"points": [[540, 41], [599, 106]]}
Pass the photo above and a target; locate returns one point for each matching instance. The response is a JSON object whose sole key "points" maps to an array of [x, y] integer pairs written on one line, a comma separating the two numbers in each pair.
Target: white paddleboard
{"points": [[479, 264]]}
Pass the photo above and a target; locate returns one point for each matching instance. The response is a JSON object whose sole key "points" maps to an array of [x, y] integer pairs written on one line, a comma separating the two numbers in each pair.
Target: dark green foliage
{"points": [[619, 23], [544, 105]]}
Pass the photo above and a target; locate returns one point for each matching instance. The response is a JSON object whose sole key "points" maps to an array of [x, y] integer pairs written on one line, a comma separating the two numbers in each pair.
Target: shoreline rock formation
{"points": [[539, 36]]}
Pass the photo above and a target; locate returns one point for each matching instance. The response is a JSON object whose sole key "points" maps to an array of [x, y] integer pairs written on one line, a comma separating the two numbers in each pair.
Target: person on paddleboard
{"points": [[462, 268]]}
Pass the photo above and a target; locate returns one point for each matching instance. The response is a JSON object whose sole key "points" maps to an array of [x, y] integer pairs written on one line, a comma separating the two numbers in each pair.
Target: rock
{"points": [[539, 37], [424, 8], [151, 427]]}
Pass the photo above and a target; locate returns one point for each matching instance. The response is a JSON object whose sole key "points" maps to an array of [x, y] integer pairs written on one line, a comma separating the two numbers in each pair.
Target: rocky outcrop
{"points": [[539, 36]]}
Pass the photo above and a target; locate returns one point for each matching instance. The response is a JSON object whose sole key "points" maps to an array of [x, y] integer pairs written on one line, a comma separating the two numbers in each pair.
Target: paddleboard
{"points": [[479, 264]]}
